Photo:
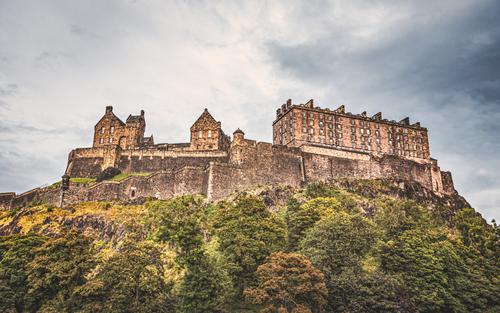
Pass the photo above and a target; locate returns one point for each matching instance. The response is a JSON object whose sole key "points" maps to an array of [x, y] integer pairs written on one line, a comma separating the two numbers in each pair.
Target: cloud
{"points": [[8, 90], [435, 61]]}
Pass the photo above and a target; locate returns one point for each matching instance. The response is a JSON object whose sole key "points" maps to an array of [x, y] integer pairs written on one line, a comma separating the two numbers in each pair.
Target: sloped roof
{"points": [[134, 118], [113, 116], [206, 118]]}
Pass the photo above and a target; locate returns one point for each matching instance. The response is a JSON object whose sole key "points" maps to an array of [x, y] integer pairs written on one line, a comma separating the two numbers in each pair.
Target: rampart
{"points": [[215, 174]]}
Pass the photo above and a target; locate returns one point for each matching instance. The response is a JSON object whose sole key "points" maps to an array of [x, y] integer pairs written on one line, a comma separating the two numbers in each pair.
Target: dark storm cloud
{"points": [[442, 67]]}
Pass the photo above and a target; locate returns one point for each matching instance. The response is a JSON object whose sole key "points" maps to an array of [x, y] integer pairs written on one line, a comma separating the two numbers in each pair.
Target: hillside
{"points": [[346, 246]]}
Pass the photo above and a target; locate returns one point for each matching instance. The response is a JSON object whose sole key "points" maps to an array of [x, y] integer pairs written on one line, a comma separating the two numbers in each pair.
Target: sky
{"points": [[62, 62]]}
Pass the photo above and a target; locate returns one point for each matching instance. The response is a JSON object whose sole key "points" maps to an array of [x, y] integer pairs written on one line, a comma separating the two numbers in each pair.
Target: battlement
{"points": [[340, 111]]}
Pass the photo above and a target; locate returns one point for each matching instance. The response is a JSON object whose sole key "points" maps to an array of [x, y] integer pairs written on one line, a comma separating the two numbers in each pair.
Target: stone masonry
{"points": [[309, 144]]}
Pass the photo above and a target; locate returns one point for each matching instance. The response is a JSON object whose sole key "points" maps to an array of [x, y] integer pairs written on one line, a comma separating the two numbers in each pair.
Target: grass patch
{"points": [[122, 176], [82, 180]]}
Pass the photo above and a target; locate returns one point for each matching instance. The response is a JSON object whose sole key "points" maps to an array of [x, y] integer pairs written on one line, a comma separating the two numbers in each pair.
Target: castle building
{"points": [[309, 144], [110, 130], [207, 134], [307, 125]]}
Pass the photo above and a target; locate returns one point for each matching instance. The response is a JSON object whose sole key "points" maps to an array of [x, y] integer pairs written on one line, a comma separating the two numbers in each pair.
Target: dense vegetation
{"points": [[325, 250]]}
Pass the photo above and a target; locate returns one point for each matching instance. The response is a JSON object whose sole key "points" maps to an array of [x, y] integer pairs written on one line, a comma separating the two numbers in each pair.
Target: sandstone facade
{"points": [[214, 165]]}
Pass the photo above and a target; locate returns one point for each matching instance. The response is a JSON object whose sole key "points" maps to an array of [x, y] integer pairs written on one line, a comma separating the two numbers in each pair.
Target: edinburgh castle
{"points": [[309, 144]]}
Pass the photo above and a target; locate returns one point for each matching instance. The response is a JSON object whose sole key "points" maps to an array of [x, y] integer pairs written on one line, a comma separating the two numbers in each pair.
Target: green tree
{"points": [[59, 266], [178, 222], [16, 251], [131, 280], [247, 234], [288, 282], [301, 217], [337, 245]]}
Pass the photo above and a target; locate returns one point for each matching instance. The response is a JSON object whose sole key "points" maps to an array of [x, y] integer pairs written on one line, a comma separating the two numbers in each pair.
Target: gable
{"points": [[110, 117], [205, 121]]}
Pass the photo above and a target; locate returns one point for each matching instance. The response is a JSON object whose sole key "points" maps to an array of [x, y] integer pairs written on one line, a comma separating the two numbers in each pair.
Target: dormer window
{"points": [[200, 134], [209, 134]]}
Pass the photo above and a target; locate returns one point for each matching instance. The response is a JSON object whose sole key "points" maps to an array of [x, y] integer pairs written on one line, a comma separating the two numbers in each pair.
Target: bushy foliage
{"points": [[288, 282], [247, 234], [179, 222], [327, 250]]}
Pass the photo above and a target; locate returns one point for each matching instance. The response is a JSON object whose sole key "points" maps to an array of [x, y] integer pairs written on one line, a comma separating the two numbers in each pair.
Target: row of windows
{"points": [[200, 134], [111, 129], [101, 140]]}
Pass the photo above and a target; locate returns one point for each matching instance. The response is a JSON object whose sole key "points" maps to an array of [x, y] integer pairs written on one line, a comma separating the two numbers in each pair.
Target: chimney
{"points": [[377, 116], [340, 109], [310, 104], [288, 103], [405, 121], [142, 112], [109, 109]]}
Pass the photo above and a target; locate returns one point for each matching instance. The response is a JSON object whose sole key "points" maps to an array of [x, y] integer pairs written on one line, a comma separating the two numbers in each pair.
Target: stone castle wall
{"points": [[215, 174]]}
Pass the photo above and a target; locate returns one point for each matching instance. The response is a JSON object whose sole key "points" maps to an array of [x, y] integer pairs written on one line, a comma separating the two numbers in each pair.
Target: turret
{"points": [[238, 136]]}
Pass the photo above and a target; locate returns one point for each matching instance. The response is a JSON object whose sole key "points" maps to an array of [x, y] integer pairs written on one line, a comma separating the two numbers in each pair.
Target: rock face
{"points": [[110, 222]]}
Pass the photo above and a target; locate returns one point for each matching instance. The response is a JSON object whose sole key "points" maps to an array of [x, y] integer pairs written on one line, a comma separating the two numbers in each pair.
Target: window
{"points": [[353, 129], [101, 140], [353, 122], [339, 126], [200, 133], [330, 125], [377, 133], [112, 129], [377, 126], [304, 129], [368, 131], [110, 140], [321, 132], [311, 122], [209, 134], [330, 133], [311, 131], [362, 130], [102, 130], [320, 123]]}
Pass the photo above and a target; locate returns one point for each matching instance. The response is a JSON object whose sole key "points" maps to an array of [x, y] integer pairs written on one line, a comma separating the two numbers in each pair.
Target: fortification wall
{"points": [[218, 173], [6, 199], [89, 162], [257, 164], [322, 167]]}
